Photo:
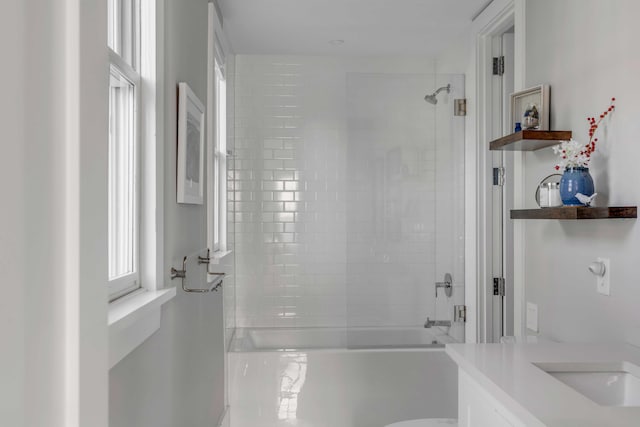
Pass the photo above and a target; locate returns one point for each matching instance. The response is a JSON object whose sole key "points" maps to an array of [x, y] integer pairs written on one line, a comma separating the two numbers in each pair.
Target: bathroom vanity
{"points": [[547, 384]]}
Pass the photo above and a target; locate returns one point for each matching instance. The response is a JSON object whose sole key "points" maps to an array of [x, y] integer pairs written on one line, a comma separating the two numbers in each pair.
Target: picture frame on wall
{"points": [[530, 108], [190, 170]]}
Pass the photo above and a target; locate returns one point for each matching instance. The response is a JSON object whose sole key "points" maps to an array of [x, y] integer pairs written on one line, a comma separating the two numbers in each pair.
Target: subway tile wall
{"points": [[289, 193], [229, 284], [338, 174]]}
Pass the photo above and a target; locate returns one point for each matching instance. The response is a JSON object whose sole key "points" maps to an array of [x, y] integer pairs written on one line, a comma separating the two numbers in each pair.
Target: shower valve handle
{"points": [[447, 285]]}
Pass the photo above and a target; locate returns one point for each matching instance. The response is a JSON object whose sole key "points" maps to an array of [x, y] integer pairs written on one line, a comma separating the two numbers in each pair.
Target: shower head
{"points": [[432, 99]]}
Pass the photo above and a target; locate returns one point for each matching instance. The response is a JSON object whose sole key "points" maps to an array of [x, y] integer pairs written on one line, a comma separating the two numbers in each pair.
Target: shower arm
{"points": [[447, 88], [432, 99]]}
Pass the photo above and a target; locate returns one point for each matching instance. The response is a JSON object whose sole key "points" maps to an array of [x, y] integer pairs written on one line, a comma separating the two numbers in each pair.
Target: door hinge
{"points": [[498, 176], [460, 313], [460, 107], [499, 285], [498, 66]]}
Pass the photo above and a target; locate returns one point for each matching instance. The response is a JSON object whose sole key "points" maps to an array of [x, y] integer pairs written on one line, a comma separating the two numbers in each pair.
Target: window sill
{"points": [[132, 319], [219, 256]]}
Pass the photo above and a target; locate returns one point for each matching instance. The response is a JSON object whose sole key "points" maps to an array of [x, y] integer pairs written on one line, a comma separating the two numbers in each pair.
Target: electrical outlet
{"points": [[602, 282], [532, 316]]}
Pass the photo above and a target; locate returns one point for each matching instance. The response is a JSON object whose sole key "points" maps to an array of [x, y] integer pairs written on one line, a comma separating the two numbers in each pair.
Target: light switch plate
{"points": [[603, 283], [532, 316]]}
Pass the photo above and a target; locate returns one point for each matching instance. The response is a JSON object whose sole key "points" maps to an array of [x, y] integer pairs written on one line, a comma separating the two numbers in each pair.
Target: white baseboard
{"points": [[225, 418]]}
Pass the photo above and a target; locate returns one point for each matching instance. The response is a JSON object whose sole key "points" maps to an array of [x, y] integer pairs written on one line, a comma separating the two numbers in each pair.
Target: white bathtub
{"points": [[287, 339], [322, 377]]}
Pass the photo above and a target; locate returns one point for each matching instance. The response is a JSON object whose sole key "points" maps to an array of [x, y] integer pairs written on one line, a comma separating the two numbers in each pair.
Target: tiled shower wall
{"points": [[229, 284], [335, 189], [290, 193]]}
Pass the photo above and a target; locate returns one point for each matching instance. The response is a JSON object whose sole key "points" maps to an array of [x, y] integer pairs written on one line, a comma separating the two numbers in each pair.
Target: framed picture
{"points": [[190, 179], [530, 108]]}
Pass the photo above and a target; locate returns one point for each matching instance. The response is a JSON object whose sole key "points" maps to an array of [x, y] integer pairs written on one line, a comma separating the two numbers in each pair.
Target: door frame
{"points": [[498, 16]]}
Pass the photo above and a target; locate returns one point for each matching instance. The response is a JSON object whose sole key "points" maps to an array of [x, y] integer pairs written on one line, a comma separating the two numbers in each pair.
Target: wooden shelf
{"points": [[576, 212], [530, 140]]}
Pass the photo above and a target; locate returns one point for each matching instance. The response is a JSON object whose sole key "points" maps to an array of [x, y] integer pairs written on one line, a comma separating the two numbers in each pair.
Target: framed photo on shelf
{"points": [[530, 108], [190, 173]]}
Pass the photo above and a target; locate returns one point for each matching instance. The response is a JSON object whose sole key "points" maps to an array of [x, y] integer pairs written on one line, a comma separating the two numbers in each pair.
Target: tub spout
{"points": [[429, 323]]}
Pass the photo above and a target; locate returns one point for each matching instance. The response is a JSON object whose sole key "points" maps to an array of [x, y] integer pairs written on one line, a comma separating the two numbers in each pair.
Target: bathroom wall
{"points": [[31, 313], [290, 151], [320, 236], [230, 280], [12, 315], [52, 313], [586, 50], [176, 377]]}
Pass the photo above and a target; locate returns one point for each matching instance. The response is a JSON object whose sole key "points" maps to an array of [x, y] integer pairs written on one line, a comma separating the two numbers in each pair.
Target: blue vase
{"points": [[575, 180]]}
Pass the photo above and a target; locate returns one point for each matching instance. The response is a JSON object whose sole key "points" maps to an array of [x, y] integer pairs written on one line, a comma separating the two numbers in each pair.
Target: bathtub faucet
{"points": [[429, 323]]}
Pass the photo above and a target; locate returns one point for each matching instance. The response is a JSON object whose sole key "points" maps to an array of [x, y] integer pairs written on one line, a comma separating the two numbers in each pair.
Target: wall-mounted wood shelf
{"points": [[576, 212], [530, 140]]}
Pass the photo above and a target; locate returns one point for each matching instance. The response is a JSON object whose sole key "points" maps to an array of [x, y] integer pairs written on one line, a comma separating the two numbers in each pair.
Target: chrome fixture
{"points": [[207, 260], [179, 274], [447, 285], [429, 323], [432, 99], [182, 275]]}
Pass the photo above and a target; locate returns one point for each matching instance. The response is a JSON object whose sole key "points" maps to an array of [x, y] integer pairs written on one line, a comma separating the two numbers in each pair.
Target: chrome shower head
{"points": [[432, 99]]}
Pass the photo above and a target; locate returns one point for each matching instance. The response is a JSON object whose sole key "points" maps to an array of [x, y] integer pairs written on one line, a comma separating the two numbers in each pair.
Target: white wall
{"points": [[587, 51], [54, 353], [53, 244], [12, 231], [275, 152], [176, 377], [455, 58], [230, 280], [324, 237]]}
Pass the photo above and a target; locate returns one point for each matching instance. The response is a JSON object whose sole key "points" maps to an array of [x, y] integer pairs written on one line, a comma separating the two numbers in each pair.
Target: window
{"points": [[219, 162], [136, 174], [124, 147], [216, 143]]}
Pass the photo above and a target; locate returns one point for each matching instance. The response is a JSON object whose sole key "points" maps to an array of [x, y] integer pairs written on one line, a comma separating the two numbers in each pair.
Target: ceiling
{"points": [[368, 27]]}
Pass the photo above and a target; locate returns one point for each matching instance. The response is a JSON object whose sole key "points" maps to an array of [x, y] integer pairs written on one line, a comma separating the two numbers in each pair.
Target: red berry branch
{"points": [[591, 146], [572, 153]]}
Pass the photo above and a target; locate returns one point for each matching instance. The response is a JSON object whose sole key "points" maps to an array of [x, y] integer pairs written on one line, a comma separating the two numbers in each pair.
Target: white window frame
{"points": [[216, 142], [135, 316], [217, 209], [128, 283]]}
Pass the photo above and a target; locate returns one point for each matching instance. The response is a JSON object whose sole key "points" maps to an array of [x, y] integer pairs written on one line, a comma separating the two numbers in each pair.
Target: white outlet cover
{"points": [[602, 282], [532, 316]]}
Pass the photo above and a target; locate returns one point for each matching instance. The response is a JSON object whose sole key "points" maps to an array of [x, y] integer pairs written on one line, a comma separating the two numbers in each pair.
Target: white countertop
{"points": [[507, 372]]}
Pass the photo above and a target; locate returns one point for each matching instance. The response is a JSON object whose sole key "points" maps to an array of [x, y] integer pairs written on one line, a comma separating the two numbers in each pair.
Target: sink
{"points": [[607, 384]]}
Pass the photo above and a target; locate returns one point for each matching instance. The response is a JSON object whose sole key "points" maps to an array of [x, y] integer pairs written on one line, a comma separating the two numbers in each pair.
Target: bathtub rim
{"points": [[236, 347]]}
